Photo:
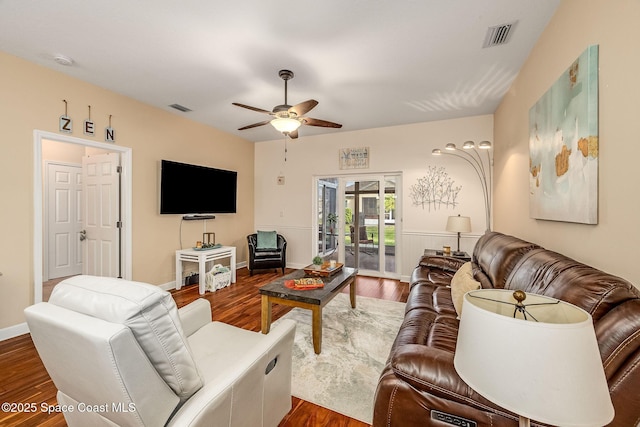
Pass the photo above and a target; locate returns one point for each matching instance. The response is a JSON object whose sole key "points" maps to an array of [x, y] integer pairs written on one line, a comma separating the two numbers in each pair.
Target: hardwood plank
{"points": [[23, 378]]}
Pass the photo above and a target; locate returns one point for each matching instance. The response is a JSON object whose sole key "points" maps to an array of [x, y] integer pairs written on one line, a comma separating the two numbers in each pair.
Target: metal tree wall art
{"points": [[435, 190]]}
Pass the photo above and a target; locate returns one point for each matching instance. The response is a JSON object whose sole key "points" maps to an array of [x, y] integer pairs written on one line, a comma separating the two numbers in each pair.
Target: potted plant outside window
{"points": [[332, 219]]}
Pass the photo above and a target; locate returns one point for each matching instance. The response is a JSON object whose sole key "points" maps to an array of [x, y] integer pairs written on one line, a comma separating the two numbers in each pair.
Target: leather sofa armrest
{"points": [[446, 263], [195, 315], [431, 370]]}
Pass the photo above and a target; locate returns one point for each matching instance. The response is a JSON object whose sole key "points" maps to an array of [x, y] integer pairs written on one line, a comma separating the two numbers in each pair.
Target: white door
{"points": [[100, 185], [64, 220]]}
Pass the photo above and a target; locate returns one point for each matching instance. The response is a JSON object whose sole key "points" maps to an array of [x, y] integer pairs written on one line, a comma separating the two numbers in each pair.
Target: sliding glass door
{"points": [[365, 235]]}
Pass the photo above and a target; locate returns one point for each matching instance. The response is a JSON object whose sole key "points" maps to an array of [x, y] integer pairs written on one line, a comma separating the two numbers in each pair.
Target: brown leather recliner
{"points": [[419, 385]]}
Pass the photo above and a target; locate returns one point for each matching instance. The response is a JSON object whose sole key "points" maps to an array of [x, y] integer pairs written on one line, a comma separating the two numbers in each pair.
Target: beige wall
{"points": [[32, 99], [612, 244], [399, 149]]}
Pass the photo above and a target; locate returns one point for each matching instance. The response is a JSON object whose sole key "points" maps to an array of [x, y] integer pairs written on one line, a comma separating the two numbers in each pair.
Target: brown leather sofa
{"points": [[419, 385]]}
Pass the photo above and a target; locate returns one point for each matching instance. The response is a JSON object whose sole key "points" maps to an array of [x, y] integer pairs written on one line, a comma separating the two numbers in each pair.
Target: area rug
{"points": [[355, 346]]}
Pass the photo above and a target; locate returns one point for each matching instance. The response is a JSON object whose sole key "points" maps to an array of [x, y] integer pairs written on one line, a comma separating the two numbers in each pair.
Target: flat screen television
{"points": [[192, 189]]}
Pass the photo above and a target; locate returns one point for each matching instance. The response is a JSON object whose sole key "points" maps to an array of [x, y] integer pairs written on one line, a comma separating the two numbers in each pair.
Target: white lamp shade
{"points": [[549, 371], [285, 125], [459, 224]]}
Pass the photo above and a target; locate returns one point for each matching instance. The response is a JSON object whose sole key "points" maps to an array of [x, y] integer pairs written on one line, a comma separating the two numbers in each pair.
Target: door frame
{"points": [[38, 209], [341, 229], [337, 189]]}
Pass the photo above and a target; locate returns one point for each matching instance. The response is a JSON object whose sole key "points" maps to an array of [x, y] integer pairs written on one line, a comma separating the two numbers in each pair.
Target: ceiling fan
{"points": [[287, 119]]}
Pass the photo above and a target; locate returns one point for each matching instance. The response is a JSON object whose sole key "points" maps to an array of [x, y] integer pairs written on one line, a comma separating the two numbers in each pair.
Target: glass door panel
{"points": [[390, 226], [362, 207], [327, 216]]}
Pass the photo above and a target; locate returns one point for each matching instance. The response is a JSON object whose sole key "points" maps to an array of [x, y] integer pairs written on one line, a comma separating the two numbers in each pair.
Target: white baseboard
{"points": [[296, 266], [13, 331]]}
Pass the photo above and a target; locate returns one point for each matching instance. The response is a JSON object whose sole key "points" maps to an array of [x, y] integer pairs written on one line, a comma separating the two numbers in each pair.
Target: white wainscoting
{"points": [[300, 249]]}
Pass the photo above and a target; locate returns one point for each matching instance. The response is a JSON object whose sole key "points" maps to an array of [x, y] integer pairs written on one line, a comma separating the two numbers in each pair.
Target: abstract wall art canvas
{"points": [[563, 146]]}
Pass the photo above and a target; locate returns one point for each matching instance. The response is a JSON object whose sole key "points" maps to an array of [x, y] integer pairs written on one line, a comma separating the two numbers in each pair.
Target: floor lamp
{"points": [[540, 358], [471, 155]]}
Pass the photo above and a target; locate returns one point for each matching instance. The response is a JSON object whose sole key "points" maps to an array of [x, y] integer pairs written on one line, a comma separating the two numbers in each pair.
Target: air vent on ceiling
{"points": [[499, 35], [180, 108]]}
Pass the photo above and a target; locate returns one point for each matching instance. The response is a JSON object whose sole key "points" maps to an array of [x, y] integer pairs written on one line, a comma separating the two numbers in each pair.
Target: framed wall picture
{"points": [[354, 158], [563, 146]]}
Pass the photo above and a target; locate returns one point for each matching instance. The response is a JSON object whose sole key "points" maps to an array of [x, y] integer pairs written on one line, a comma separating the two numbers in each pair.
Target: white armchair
{"points": [[121, 354]]}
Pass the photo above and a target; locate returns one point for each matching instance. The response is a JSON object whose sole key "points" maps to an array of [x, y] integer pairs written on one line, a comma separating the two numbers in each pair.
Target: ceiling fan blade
{"points": [[294, 134], [303, 108], [322, 123], [248, 107], [255, 125]]}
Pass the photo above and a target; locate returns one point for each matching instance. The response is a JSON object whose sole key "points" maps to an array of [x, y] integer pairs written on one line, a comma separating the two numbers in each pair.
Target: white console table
{"points": [[202, 257]]}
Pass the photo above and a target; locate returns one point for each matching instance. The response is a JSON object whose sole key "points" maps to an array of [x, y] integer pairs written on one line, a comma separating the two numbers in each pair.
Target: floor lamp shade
{"points": [[547, 370]]}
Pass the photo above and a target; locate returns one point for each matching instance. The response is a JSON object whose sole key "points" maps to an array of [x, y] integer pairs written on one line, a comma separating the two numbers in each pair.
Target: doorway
{"points": [[120, 225], [367, 216]]}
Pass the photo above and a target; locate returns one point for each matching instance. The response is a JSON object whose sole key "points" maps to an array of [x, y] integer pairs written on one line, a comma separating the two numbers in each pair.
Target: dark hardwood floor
{"points": [[24, 380]]}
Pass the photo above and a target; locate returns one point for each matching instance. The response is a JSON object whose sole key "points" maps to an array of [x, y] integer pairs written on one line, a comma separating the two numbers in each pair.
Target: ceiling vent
{"points": [[180, 108], [499, 35]]}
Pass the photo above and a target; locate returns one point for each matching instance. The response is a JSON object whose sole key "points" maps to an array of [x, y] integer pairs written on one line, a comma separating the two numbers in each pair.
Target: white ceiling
{"points": [[369, 63]]}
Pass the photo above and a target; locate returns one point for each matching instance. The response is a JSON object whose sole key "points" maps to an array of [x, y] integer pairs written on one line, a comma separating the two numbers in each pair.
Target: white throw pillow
{"points": [[461, 283]]}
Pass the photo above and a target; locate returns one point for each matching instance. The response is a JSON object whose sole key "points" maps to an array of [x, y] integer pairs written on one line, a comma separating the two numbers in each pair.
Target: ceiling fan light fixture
{"points": [[285, 124]]}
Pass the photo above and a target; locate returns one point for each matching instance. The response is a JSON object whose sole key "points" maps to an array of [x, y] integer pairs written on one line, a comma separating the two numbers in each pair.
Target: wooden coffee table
{"points": [[314, 300]]}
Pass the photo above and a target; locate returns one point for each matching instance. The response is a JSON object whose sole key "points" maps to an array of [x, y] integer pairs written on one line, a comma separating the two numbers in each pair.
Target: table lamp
{"points": [[533, 355], [459, 224]]}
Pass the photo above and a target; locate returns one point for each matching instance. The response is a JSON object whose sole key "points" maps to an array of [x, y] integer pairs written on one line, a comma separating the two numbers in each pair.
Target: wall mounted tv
{"points": [[193, 189]]}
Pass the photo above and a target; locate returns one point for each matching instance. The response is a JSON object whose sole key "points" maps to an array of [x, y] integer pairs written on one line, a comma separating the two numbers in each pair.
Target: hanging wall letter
{"points": [[66, 124], [89, 128], [109, 132]]}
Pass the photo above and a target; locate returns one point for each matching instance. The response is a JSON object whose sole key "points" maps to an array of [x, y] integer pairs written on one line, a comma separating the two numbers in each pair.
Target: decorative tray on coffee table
{"points": [[323, 270], [304, 284]]}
